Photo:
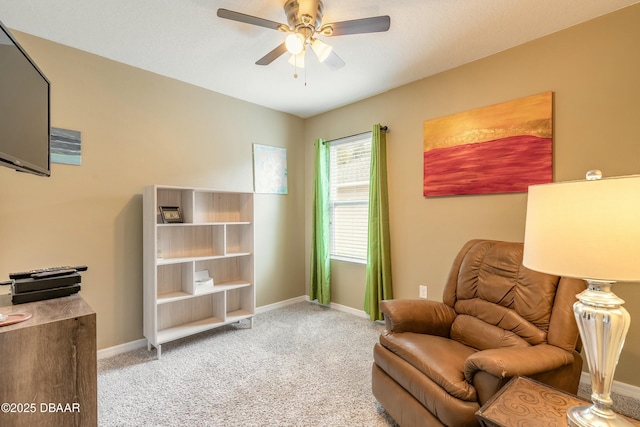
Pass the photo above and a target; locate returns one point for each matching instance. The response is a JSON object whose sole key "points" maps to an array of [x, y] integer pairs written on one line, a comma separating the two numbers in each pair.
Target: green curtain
{"points": [[320, 259], [378, 285]]}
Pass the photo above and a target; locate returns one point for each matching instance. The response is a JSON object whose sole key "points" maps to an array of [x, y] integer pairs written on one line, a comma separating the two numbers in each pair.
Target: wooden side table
{"points": [[48, 364], [526, 402]]}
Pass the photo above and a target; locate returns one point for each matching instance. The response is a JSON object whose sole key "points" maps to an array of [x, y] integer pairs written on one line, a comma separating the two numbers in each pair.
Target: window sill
{"points": [[347, 259]]}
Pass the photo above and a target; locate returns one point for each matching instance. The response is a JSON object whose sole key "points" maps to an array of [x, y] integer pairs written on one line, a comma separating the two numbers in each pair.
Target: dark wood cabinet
{"points": [[48, 364]]}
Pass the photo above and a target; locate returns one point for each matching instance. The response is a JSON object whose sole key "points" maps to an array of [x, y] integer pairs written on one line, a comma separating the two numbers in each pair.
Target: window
{"points": [[349, 164]]}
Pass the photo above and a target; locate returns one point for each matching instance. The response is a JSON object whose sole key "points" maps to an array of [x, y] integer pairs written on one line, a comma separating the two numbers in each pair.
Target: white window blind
{"points": [[349, 164]]}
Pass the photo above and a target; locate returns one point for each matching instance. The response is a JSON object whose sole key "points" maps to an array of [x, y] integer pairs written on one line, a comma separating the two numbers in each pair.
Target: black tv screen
{"points": [[24, 110]]}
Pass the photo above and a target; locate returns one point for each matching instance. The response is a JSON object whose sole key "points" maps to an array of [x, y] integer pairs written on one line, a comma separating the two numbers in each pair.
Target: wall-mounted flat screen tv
{"points": [[24, 110]]}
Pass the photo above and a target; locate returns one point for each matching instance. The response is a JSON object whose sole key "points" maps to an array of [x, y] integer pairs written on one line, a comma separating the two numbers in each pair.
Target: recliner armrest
{"points": [[511, 361], [418, 315]]}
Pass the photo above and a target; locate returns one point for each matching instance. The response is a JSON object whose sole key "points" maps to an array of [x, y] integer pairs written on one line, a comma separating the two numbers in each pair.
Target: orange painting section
{"points": [[525, 116]]}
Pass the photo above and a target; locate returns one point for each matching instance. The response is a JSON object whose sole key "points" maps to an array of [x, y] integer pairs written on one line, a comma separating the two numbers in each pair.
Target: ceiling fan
{"points": [[305, 25]]}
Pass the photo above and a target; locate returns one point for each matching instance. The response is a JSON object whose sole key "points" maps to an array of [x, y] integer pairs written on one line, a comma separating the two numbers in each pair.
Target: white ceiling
{"points": [[185, 40]]}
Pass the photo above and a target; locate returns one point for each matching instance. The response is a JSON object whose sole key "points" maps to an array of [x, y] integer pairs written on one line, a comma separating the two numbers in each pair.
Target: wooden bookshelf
{"points": [[216, 234]]}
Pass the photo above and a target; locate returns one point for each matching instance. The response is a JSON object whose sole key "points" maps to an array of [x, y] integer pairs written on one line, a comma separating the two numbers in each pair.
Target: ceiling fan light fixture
{"points": [[294, 43], [321, 49], [298, 60]]}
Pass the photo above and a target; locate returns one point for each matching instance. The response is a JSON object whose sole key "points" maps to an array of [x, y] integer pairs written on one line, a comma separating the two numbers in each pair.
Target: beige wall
{"points": [[593, 70], [138, 129]]}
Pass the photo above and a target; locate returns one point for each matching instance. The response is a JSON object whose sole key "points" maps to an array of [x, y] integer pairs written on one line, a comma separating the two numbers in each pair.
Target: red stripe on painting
{"points": [[507, 165]]}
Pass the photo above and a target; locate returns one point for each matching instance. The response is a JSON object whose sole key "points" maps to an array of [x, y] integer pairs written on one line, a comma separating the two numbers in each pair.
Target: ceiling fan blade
{"points": [[334, 61], [273, 55], [375, 24], [248, 19]]}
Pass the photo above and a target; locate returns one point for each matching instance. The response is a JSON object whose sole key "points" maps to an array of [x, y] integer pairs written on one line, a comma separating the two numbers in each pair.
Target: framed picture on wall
{"points": [[269, 169], [501, 148], [171, 214]]}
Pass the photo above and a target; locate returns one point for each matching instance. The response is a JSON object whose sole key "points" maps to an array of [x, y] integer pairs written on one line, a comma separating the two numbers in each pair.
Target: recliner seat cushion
{"points": [[441, 359], [449, 410]]}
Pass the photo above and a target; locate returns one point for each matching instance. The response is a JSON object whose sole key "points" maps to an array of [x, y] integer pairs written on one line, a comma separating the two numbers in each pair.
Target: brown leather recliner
{"points": [[437, 363]]}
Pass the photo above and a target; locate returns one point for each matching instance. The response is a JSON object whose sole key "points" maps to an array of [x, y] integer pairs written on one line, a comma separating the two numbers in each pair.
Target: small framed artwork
{"points": [[171, 214], [66, 146], [269, 169]]}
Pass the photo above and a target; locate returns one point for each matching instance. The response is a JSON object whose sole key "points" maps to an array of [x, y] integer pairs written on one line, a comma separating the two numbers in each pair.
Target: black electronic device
{"points": [[45, 283], [44, 294], [55, 273], [24, 110], [31, 284], [39, 271]]}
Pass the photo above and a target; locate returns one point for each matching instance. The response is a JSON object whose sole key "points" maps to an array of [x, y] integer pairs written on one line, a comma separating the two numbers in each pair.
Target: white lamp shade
{"points": [[321, 49], [294, 43], [585, 229], [297, 60]]}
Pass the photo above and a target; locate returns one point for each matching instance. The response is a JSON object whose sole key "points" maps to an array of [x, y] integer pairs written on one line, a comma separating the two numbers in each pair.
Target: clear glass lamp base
{"points": [[590, 416], [603, 325]]}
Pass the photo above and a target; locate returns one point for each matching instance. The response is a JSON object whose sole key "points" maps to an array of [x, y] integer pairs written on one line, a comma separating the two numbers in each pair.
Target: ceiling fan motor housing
{"points": [[295, 13]]}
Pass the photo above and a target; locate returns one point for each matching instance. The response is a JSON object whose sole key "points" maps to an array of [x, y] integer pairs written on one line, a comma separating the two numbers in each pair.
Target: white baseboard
{"points": [[339, 307], [347, 309], [280, 304], [122, 348], [623, 389], [350, 310]]}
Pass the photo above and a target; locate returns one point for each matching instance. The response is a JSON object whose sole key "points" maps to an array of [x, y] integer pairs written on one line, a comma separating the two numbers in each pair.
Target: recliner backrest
{"points": [[501, 303]]}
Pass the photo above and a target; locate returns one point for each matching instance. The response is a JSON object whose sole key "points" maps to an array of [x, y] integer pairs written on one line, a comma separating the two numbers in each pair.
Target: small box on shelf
{"points": [[202, 282]]}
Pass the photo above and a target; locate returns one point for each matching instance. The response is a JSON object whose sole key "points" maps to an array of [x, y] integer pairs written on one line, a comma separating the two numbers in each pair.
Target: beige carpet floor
{"points": [[301, 365]]}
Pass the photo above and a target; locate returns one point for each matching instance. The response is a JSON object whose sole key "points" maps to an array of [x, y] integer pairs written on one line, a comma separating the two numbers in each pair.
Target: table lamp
{"points": [[590, 230]]}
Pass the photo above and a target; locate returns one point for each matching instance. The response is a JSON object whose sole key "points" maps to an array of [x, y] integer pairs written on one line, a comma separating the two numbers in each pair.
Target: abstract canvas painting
{"points": [[269, 169], [502, 148], [66, 146]]}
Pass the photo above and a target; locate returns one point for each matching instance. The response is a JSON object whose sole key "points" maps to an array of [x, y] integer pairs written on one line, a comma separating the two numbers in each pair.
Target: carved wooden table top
{"points": [[523, 402]]}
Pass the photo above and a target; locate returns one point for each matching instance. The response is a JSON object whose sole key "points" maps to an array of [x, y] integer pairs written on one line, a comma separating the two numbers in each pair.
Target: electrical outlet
{"points": [[423, 291]]}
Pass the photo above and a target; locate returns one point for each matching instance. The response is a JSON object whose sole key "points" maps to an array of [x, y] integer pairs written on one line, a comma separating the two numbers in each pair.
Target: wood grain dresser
{"points": [[48, 364]]}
